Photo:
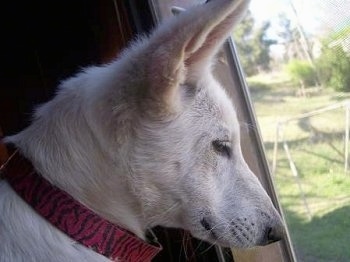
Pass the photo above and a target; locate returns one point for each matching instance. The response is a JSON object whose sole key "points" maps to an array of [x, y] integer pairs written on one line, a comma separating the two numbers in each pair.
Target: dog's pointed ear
{"points": [[217, 36], [185, 43]]}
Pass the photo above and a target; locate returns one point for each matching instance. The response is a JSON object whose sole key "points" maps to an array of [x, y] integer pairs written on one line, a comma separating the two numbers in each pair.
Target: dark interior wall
{"points": [[44, 42]]}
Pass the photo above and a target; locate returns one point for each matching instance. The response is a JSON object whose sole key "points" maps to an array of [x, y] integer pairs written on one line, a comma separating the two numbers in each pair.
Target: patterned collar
{"points": [[72, 217]]}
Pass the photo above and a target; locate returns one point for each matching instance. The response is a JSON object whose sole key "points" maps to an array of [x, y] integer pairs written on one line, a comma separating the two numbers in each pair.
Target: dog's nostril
{"points": [[205, 224], [274, 234]]}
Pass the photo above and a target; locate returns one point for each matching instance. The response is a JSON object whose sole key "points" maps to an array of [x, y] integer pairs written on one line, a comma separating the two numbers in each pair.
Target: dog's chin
{"points": [[223, 240], [219, 242], [233, 244]]}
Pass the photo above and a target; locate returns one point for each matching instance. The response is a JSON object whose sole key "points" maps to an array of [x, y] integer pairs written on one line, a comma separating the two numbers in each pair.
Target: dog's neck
{"points": [[71, 217], [80, 167]]}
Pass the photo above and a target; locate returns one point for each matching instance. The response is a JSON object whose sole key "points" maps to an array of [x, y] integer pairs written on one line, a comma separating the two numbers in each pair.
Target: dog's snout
{"points": [[274, 234]]}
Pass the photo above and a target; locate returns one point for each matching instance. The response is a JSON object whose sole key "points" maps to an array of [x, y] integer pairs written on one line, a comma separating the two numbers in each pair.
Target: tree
{"points": [[253, 45], [286, 31], [334, 66], [242, 37], [261, 47], [290, 39]]}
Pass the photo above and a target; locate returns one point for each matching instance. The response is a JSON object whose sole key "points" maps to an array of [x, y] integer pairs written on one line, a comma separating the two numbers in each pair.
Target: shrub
{"points": [[334, 68], [301, 72]]}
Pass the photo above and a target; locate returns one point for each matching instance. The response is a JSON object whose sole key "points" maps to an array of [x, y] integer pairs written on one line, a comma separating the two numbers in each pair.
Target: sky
{"points": [[316, 16]]}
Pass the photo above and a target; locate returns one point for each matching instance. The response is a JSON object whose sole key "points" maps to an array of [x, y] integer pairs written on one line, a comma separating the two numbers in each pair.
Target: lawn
{"points": [[319, 224]]}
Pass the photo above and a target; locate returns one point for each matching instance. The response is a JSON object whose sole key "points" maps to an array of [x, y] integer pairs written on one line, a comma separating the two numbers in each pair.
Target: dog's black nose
{"points": [[274, 234]]}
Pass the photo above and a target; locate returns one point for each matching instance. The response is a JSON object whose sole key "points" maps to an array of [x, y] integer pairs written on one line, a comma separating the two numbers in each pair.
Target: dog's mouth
{"points": [[209, 228], [239, 233], [213, 233]]}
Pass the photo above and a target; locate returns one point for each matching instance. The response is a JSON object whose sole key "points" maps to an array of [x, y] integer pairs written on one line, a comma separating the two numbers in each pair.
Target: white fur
{"points": [[133, 141]]}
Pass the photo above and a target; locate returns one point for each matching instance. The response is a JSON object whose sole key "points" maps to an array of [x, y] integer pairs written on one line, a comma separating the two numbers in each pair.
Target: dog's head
{"points": [[159, 118], [183, 148]]}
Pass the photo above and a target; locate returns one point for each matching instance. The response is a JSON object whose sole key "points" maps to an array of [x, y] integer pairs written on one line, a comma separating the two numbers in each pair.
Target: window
{"points": [[296, 58]]}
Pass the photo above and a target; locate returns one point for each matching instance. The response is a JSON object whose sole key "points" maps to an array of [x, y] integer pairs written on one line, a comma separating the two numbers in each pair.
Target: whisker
{"points": [[183, 247], [248, 126], [197, 247], [207, 249], [164, 214]]}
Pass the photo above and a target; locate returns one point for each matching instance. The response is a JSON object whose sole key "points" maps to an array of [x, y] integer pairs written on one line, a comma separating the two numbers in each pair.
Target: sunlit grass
{"points": [[317, 148]]}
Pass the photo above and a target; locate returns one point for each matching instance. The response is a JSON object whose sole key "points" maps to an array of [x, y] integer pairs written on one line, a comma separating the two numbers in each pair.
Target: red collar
{"points": [[73, 218]]}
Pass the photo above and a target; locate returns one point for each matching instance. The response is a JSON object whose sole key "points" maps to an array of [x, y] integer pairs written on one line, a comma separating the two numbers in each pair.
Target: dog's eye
{"points": [[222, 147]]}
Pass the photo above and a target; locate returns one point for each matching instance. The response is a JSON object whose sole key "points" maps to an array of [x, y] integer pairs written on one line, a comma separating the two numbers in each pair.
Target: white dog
{"points": [[149, 139]]}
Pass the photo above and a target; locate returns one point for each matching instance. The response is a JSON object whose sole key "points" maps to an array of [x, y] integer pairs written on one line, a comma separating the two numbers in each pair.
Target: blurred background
{"points": [[296, 58]]}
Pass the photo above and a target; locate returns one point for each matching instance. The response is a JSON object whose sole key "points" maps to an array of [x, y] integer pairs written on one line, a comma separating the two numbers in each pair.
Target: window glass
{"points": [[296, 58]]}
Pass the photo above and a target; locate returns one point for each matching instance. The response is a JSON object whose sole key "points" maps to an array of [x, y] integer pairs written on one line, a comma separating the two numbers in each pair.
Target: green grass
{"points": [[317, 148]]}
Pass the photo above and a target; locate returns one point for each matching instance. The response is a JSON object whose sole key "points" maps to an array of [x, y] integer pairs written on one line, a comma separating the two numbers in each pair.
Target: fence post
{"points": [[347, 130], [275, 148], [295, 173]]}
